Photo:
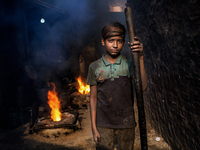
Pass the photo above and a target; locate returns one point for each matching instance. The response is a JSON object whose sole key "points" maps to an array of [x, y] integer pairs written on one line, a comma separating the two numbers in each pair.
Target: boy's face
{"points": [[113, 45]]}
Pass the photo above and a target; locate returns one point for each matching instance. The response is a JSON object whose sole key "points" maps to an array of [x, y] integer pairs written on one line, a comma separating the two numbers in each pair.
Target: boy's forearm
{"points": [[93, 106], [136, 46], [143, 74]]}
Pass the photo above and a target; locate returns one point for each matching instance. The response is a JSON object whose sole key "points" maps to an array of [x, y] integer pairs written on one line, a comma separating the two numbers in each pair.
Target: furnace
{"points": [[60, 119]]}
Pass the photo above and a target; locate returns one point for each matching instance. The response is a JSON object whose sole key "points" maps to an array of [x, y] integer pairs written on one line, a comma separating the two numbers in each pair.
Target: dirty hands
{"points": [[136, 46], [96, 136]]}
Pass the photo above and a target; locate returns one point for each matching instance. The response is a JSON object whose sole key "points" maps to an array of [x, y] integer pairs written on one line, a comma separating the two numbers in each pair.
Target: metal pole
{"points": [[137, 79]]}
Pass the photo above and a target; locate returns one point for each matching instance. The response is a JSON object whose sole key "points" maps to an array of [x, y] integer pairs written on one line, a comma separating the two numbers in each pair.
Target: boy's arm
{"points": [[143, 73], [138, 47], [93, 112]]}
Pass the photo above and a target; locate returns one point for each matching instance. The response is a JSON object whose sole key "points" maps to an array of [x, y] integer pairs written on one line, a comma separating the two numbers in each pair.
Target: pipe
{"points": [[137, 79]]}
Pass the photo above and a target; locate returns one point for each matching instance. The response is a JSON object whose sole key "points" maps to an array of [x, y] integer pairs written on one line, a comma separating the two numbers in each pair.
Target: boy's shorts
{"points": [[125, 138]]}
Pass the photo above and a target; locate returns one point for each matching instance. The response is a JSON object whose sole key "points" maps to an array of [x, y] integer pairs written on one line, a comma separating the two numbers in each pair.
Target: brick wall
{"points": [[169, 31]]}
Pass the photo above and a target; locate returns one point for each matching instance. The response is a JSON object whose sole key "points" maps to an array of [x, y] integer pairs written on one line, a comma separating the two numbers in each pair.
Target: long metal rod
{"points": [[137, 79]]}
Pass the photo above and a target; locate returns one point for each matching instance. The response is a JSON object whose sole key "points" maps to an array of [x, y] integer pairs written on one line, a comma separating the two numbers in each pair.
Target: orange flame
{"points": [[83, 88], [54, 104]]}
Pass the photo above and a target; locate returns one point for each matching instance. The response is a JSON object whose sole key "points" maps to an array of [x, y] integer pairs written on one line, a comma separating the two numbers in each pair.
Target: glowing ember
{"points": [[54, 104], [83, 88]]}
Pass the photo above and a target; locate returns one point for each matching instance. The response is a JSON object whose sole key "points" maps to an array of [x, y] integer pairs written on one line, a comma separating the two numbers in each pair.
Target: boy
{"points": [[110, 90]]}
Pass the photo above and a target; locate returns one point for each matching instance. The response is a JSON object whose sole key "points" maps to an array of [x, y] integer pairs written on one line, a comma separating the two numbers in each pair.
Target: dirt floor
{"points": [[20, 139]]}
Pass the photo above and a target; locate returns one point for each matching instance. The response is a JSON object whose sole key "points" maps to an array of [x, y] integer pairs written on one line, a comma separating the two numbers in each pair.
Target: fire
{"points": [[83, 88], [54, 104]]}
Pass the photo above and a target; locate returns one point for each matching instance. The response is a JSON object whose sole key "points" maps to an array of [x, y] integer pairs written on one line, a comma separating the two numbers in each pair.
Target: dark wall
{"points": [[169, 31], [13, 56]]}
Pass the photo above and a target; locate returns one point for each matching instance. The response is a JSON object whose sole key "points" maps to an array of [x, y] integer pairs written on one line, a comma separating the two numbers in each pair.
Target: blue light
{"points": [[42, 20]]}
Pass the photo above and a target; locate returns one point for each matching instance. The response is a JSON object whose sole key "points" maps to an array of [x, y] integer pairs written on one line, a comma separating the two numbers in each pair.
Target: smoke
{"points": [[69, 26], [56, 44]]}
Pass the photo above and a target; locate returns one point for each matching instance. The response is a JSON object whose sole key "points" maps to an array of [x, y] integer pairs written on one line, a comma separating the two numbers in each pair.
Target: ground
{"points": [[20, 139]]}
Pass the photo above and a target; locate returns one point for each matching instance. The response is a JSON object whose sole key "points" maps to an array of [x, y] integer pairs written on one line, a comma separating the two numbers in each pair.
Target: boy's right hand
{"points": [[96, 136]]}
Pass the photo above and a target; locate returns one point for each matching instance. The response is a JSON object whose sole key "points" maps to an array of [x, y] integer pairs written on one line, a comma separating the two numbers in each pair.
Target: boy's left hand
{"points": [[136, 46]]}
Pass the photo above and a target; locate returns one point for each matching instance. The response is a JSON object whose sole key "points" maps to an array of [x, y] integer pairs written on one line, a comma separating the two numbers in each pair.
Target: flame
{"points": [[54, 104], [83, 88]]}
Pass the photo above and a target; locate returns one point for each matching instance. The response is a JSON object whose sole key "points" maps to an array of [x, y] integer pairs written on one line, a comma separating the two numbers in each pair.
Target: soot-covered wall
{"points": [[13, 56], [169, 31]]}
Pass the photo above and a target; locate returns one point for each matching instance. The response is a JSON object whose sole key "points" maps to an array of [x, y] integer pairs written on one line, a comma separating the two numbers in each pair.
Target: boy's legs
{"points": [[125, 138], [107, 138]]}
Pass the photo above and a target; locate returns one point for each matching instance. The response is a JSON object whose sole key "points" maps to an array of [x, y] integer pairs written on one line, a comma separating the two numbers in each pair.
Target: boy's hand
{"points": [[96, 136], [136, 46]]}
